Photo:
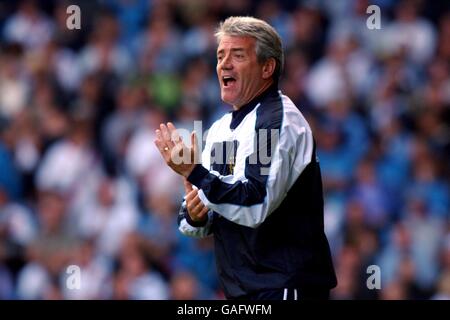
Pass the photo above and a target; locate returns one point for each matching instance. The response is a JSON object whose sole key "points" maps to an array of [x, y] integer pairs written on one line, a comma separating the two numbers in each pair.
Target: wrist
{"points": [[188, 172], [195, 222]]}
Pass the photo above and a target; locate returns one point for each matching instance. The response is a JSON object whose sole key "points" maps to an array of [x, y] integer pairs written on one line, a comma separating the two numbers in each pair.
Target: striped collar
{"points": [[238, 115]]}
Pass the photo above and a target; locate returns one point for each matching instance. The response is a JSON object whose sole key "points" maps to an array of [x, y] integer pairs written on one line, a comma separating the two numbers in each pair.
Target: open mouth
{"points": [[228, 81]]}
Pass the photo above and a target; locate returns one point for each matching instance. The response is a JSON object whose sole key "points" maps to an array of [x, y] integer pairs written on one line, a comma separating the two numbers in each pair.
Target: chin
{"points": [[227, 99]]}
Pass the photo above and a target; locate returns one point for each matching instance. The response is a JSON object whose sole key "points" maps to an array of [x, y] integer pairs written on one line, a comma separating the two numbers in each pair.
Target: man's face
{"points": [[240, 74]]}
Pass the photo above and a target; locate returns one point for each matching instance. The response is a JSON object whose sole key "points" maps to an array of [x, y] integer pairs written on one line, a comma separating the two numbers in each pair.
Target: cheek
{"points": [[248, 81], [250, 74]]}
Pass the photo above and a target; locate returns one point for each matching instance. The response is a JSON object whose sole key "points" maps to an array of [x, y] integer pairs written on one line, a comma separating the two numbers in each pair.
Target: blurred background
{"points": [[81, 182]]}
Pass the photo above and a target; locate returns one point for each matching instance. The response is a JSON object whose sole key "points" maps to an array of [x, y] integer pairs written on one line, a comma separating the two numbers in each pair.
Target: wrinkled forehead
{"points": [[228, 42]]}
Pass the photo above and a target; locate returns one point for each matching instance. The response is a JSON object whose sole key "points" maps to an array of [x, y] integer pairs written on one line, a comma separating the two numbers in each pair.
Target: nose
{"points": [[226, 64]]}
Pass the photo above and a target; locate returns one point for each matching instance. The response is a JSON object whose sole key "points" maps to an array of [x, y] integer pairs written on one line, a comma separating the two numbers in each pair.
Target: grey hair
{"points": [[268, 41]]}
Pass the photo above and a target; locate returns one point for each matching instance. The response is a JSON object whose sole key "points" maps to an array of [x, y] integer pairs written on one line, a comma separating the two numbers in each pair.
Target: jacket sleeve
{"points": [[192, 228], [248, 202]]}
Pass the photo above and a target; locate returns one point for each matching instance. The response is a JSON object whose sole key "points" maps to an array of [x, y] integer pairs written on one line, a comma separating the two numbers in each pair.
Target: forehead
{"points": [[235, 42]]}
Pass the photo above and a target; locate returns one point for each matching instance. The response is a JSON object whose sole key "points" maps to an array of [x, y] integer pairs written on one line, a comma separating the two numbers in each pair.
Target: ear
{"points": [[268, 68]]}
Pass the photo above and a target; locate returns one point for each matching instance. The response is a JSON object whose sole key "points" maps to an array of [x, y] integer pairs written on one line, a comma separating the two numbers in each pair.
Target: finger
{"points": [[200, 215], [194, 202], [191, 195], [203, 212], [158, 134], [187, 186], [158, 144], [175, 136], [198, 209], [161, 147], [166, 136]]}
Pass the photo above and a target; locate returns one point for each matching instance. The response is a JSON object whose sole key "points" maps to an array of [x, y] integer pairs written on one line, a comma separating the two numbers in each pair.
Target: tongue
{"points": [[230, 82]]}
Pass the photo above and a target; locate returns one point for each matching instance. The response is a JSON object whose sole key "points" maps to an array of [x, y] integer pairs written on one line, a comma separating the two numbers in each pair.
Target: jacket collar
{"points": [[238, 115]]}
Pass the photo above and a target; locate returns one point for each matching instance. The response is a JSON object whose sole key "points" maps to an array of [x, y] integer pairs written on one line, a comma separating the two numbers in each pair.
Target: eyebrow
{"points": [[232, 50]]}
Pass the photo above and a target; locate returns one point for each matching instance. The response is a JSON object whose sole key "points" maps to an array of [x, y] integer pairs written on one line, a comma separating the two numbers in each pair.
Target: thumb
{"points": [[187, 186]]}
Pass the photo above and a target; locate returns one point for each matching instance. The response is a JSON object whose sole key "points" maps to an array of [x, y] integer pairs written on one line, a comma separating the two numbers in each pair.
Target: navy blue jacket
{"points": [[260, 178]]}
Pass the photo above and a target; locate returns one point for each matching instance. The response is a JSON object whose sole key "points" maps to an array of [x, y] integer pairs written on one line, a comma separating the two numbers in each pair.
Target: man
{"points": [[258, 188]]}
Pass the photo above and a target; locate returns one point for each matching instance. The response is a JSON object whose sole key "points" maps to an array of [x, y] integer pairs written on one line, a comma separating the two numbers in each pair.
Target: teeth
{"points": [[227, 79]]}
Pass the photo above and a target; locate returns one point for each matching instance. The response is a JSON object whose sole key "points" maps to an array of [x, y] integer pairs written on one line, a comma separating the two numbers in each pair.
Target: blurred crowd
{"points": [[81, 182]]}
